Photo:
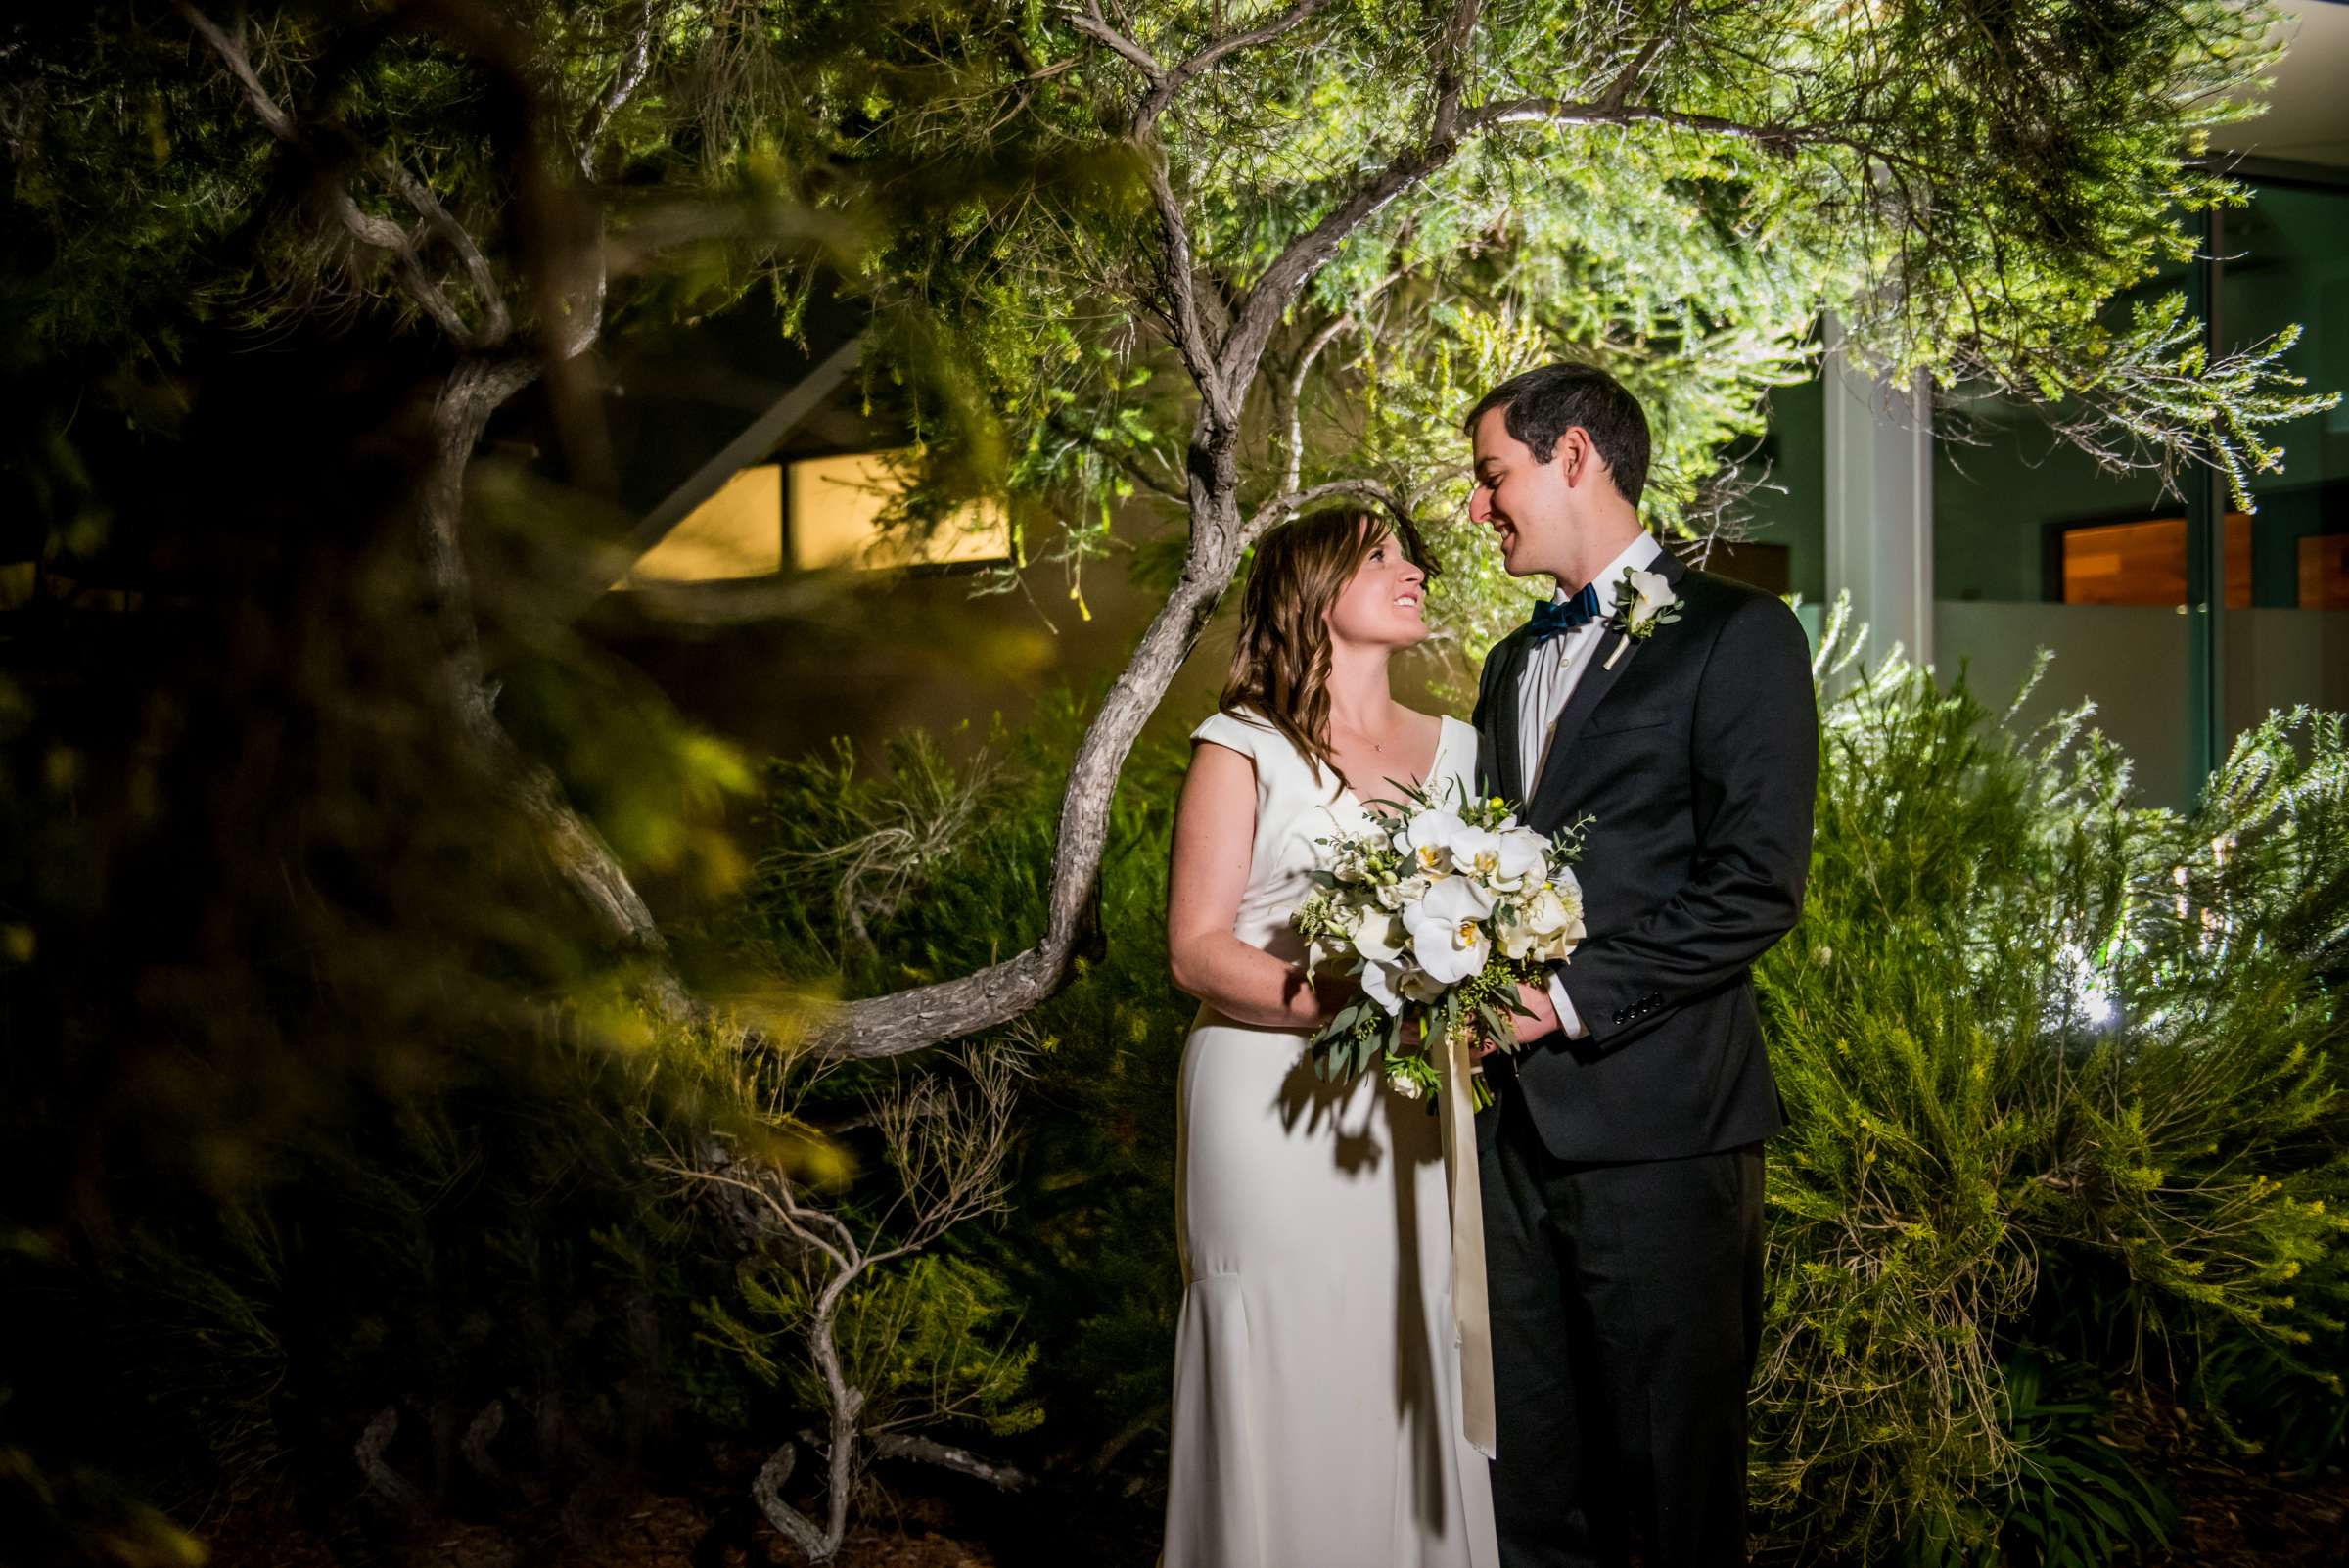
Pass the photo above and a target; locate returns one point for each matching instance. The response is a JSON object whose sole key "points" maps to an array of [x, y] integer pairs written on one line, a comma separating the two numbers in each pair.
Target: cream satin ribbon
{"points": [[1471, 1313]]}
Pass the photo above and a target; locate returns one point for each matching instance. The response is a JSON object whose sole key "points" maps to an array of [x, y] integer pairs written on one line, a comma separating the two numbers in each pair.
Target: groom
{"points": [[1622, 1159]]}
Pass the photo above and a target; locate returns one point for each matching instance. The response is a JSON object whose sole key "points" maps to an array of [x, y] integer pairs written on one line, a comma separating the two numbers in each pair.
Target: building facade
{"points": [[1966, 531]]}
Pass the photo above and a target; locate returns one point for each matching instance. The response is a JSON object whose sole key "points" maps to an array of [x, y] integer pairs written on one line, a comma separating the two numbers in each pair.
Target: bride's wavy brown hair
{"points": [[1280, 664]]}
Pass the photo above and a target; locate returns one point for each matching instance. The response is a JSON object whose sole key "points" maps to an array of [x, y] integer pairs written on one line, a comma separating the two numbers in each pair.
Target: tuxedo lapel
{"points": [[1598, 678], [1508, 717]]}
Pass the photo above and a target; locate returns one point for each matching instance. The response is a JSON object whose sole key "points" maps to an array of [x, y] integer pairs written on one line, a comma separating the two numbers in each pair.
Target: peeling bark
{"points": [[385, 1482], [901, 1446]]}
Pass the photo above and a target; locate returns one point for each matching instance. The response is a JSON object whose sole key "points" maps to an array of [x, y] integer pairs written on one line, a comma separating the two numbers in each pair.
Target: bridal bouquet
{"points": [[1441, 909]]}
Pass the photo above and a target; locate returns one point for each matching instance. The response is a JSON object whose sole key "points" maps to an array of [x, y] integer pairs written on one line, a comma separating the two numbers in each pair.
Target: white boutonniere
{"points": [[1643, 601]]}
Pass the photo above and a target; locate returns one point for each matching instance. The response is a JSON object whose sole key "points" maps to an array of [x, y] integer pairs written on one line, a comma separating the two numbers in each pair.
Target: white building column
{"points": [[1880, 515]]}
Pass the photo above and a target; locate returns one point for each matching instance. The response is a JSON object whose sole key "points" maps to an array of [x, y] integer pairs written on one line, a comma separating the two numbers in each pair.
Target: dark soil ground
{"points": [[2240, 1511], [2232, 1513], [907, 1518]]}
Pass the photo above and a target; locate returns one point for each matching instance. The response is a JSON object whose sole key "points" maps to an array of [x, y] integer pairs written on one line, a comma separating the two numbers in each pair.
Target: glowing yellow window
{"points": [[835, 503], [738, 533]]}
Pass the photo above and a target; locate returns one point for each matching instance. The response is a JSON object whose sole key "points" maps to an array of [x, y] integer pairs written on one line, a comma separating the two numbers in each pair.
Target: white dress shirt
{"points": [[1547, 683]]}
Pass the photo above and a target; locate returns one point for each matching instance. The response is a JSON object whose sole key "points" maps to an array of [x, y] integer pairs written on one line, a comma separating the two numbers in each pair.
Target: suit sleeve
{"points": [[1754, 758]]}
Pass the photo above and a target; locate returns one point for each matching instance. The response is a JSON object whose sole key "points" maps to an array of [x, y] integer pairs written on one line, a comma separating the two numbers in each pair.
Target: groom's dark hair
{"points": [[1543, 404]]}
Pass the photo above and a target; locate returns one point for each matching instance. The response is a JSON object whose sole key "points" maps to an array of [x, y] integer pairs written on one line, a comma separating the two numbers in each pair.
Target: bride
{"points": [[1316, 1412]]}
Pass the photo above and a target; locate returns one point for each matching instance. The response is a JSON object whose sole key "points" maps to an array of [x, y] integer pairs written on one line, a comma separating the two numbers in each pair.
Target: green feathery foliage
{"points": [[1674, 191], [925, 1341], [2026, 1041]]}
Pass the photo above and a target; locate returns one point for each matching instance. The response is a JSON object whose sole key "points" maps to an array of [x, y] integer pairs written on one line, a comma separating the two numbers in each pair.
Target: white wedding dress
{"points": [[1317, 1414]]}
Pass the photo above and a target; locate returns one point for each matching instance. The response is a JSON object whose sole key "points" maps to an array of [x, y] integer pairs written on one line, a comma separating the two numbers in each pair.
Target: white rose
{"points": [[1403, 893], [1516, 939], [1405, 1081], [1553, 919], [1448, 932]]}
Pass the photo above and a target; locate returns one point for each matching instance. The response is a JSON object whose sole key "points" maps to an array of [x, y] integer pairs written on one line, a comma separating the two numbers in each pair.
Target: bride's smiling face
{"points": [[1383, 605]]}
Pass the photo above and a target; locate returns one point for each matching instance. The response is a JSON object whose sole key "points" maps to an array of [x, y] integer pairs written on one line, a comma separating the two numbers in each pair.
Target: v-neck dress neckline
{"points": [[1433, 771]]}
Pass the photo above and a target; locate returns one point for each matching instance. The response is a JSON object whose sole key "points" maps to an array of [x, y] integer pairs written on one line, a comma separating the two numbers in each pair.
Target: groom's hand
{"points": [[1535, 999]]}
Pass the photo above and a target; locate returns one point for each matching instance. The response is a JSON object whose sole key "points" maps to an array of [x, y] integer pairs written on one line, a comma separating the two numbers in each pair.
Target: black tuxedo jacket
{"points": [[1698, 755]]}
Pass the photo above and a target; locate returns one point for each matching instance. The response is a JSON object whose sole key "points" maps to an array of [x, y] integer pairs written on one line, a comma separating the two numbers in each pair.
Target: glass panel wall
{"points": [[2035, 546], [2285, 633], [1787, 514]]}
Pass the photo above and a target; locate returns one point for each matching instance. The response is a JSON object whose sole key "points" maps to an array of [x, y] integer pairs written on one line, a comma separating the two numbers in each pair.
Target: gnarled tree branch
{"points": [[1180, 279], [415, 279], [1089, 22], [476, 389], [626, 78], [1172, 82], [907, 1446], [1271, 295], [948, 1151], [906, 1021], [1296, 501], [1179, 276]]}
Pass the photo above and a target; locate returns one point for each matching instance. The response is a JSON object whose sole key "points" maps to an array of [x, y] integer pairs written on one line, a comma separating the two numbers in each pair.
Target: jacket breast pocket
{"points": [[1629, 722]]}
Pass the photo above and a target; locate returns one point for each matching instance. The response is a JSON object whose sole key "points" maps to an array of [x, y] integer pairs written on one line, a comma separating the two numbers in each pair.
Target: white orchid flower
{"points": [[1380, 983], [1419, 985], [1377, 935], [1505, 860], [1476, 852], [1523, 860], [1447, 931], [1427, 840]]}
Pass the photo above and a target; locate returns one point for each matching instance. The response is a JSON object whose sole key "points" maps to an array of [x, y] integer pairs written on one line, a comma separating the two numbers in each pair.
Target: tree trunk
{"points": [[474, 391], [908, 1021]]}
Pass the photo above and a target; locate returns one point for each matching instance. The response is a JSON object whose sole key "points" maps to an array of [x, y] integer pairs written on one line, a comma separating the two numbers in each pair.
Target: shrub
{"points": [[1088, 1241], [2032, 1037]]}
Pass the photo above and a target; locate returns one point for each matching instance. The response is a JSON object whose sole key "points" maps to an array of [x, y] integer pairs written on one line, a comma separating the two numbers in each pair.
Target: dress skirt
{"points": [[1317, 1407]]}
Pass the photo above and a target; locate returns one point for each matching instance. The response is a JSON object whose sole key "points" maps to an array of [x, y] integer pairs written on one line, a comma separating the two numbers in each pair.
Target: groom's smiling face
{"points": [[1529, 505]]}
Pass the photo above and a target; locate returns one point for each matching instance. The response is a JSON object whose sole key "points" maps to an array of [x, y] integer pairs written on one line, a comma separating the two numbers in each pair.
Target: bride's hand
{"points": [[1330, 995]]}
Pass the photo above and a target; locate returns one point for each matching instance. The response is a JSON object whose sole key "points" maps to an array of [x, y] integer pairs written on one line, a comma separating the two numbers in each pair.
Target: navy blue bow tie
{"points": [[1550, 618]]}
